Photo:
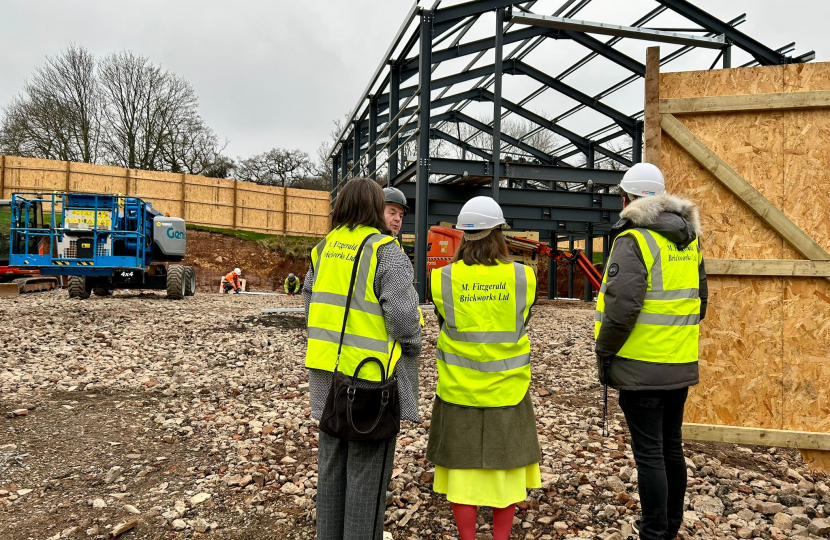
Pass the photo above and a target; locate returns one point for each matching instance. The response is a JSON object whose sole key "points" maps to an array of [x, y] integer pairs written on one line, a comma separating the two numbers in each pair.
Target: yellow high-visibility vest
{"points": [[366, 335], [292, 287], [668, 327], [483, 351]]}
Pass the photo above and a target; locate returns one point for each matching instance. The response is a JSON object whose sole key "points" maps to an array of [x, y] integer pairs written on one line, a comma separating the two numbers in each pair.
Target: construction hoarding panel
{"points": [[765, 344]]}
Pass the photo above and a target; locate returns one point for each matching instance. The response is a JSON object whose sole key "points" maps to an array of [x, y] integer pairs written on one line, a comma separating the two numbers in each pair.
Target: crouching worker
{"points": [[232, 282], [292, 285], [482, 437], [652, 299]]}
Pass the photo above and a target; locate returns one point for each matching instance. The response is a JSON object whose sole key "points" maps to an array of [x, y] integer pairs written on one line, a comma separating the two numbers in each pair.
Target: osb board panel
{"points": [[807, 301], [261, 220], [806, 354], [740, 348], [208, 194], [783, 154], [220, 216], [258, 200], [26, 174], [156, 189]]}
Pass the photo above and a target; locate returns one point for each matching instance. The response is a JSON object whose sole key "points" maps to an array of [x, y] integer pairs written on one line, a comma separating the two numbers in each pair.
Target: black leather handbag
{"points": [[355, 413]]}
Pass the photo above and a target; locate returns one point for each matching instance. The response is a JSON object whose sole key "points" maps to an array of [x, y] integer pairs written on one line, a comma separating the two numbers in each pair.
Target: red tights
{"points": [[466, 515]]}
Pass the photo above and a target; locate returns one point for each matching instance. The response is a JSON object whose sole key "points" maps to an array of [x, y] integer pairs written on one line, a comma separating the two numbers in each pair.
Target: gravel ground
{"points": [[188, 419]]}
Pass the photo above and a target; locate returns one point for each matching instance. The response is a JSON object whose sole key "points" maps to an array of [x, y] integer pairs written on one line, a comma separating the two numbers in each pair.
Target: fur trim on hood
{"points": [[645, 211]]}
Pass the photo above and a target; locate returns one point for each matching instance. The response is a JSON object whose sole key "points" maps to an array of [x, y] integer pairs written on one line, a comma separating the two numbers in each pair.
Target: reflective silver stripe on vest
{"points": [[657, 267], [492, 366], [484, 337], [334, 299], [676, 294], [598, 316], [351, 340], [668, 320]]}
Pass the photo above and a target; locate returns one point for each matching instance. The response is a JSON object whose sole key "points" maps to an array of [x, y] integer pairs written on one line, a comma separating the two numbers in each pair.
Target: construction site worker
{"points": [[482, 437], [292, 285], [395, 209], [652, 299], [382, 322], [232, 281]]}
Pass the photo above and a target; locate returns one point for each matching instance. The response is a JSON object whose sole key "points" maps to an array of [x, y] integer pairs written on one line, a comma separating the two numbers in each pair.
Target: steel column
{"points": [[589, 229], [553, 270], [570, 269], [356, 150], [497, 75], [344, 160], [637, 147], [422, 170], [373, 135], [334, 165], [394, 107], [727, 57]]}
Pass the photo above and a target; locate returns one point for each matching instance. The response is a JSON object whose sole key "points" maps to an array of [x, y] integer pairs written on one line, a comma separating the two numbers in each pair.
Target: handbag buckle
{"points": [[350, 393], [384, 397]]}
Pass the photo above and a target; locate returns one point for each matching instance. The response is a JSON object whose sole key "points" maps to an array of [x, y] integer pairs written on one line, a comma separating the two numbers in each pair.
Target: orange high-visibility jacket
{"points": [[233, 279]]}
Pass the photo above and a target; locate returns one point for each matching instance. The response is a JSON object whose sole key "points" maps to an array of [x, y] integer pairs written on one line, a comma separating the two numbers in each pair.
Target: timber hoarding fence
{"points": [[213, 202], [751, 147]]}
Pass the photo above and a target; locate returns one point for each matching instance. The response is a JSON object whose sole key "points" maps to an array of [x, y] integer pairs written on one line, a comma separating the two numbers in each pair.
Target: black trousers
{"points": [[655, 420]]}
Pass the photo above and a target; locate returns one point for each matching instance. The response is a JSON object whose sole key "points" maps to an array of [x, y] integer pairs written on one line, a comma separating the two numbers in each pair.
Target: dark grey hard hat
{"points": [[395, 196]]}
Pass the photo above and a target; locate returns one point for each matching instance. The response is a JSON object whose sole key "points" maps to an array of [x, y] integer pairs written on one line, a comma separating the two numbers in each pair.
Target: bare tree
{"points": [[276, 167], [144, 105], [58, 113]]}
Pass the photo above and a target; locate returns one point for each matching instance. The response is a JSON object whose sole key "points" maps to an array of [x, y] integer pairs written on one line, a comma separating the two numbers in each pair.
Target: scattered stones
{"points": [[99, 503], [199, 498]]}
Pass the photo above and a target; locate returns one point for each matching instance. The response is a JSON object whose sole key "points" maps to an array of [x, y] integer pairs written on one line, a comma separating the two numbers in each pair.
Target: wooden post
{"points": [[2, 175], [284, 207], [235, 192], [652, 106], [127, 184], [184, 176], [68, 173]]}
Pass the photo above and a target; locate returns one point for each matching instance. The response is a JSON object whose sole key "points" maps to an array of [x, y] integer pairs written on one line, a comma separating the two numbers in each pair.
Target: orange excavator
{"points": [[443, 242]]}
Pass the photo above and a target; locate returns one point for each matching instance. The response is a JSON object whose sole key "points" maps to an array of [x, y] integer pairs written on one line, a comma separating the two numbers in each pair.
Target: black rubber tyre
{"points": [[76, 285], [176, 281], [98, 291], [190, 287]]}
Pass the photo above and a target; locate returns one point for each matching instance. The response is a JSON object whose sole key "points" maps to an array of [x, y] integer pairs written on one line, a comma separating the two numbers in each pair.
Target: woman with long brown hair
{"points": [[360, 303], [482, 436]]}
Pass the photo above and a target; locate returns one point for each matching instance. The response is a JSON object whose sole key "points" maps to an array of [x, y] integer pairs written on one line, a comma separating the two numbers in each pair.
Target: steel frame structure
{"points": [[538, 190]]}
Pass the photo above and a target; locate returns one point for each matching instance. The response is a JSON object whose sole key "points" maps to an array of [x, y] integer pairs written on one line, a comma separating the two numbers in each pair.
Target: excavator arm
{"points": [[577, 257]]}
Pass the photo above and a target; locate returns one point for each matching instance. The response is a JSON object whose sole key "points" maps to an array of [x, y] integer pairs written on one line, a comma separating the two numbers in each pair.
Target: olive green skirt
{"points": [[487, 438]]}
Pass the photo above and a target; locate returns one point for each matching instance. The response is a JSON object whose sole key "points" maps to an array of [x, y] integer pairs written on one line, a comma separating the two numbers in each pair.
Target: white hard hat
{"points": [[643, 180], [237, 271], [480, 213]]}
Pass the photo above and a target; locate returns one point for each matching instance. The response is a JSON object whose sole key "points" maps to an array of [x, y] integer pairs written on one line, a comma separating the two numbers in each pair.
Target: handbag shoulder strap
{"points": [[349, 297]]}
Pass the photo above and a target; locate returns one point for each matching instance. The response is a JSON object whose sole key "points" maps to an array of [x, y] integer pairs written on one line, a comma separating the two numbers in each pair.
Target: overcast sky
{"points": [[276, 74]]}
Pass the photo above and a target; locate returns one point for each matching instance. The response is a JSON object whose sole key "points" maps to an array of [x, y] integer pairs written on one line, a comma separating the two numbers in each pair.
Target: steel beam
{"points": [[758, 50], [447, 17], [423, 159], [356, 150], [625, 121], [409, 66], [373, 136], [535, 152], [394, 104], [499, 53], [560, 23], [608, 52], [525, 171], [438, 134]]}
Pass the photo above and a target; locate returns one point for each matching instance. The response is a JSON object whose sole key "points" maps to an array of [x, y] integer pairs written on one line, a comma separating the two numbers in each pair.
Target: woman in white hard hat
{"points": [[482, 436]]}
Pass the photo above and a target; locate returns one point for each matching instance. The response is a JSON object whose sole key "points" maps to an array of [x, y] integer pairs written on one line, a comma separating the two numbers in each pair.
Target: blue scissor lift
{"points": [[102, 242]]}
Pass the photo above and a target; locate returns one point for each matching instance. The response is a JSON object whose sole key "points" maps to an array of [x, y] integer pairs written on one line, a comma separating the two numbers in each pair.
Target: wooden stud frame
{"points": [[747, 103], [803, 440]]}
